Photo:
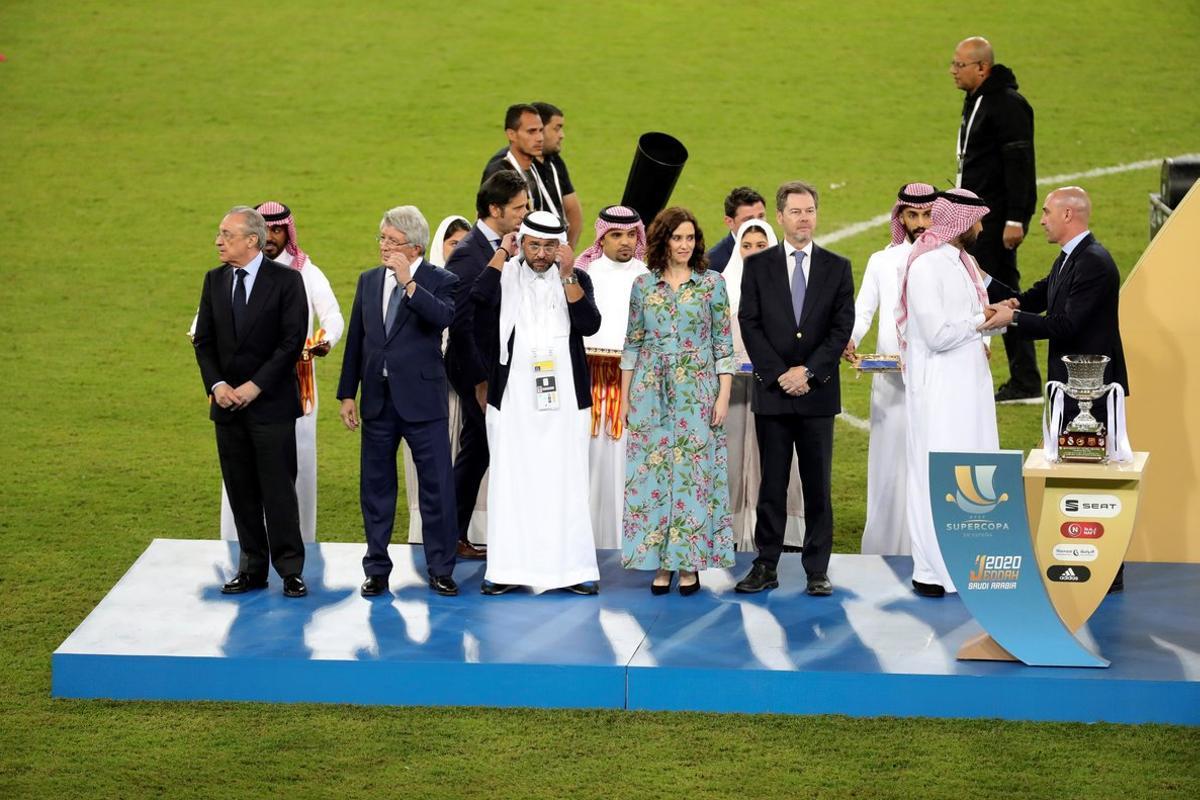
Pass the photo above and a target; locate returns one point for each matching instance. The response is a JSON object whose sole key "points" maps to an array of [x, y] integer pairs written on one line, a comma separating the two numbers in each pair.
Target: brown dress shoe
{"points": [[471, 551]]}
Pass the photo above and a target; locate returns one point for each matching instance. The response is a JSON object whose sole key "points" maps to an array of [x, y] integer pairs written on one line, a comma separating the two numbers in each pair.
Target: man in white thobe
{"points": [[281, 246], [613, 262], [949, 397], [886, 532], [539, 416]]}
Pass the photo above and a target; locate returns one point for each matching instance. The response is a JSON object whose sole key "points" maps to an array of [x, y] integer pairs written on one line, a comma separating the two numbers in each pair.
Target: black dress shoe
{"points": [[761, 577], [293, 586], [929, 589], [492, 589], [819, 585], [374, 585], [443, 585], [471, 552], [585, 588], [662, 588], [689, 589], [1118, 584], [244, 582], [1012, 393]]}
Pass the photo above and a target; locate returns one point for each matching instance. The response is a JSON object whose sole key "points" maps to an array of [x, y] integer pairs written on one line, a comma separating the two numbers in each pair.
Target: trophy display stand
{"points": [[1081, 518]]}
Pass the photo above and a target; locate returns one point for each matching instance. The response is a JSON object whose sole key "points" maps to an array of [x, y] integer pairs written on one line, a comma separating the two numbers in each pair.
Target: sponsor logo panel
{"points": [[1076, 552], [1082, 530], [1068, 574], [1104, 506]]}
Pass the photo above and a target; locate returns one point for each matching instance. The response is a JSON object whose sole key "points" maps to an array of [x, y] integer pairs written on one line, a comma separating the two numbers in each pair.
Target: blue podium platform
{"points": [[165, 632]]}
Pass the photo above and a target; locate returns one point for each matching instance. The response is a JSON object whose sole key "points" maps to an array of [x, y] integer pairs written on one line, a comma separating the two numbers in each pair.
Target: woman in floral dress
{"points": [[676, 374]]}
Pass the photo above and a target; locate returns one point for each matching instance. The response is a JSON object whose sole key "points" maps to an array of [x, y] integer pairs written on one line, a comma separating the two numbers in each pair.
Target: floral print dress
{"points": [[676, 473]]}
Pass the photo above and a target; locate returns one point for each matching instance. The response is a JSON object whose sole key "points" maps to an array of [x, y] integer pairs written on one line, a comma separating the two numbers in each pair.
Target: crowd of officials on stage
{"points": [[650, 394]]}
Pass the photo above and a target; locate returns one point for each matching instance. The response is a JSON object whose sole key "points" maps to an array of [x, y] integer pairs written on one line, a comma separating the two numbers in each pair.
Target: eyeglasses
{"points": [[957, 65], [390, 242], [229, 236], [550, 248]]}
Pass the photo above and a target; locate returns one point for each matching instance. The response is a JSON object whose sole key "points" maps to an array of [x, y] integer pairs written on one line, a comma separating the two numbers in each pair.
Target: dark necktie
{"points": [[239, 300], [1056, 270], [393, 309], [798, 286]]}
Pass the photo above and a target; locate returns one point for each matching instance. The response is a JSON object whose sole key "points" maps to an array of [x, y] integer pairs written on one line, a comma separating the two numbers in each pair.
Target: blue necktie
{"points": [[393, 309], [239, 300], [798, 286]]}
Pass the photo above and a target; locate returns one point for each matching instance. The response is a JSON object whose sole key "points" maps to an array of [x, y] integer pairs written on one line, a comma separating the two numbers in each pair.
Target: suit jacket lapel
{"points": [[264, 284], [817, 277], [423, 274], [373, 313], [779, 279], [1065, 269], [223, 301]]}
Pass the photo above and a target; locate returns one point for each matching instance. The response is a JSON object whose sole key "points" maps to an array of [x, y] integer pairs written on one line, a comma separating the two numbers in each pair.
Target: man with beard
{"points": [[535, 135], [885, 532], [996, 162], [539, 396], [742, 203], [947, 380], [613, 262]]}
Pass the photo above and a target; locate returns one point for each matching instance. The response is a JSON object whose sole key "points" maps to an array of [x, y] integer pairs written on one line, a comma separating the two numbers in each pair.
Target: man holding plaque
{"points": [[613, 262], [886, 532], [949, 400]]}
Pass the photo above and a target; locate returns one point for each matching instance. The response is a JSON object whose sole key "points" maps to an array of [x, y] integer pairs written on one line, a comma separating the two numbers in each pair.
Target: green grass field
{"points": [[128, 129]]}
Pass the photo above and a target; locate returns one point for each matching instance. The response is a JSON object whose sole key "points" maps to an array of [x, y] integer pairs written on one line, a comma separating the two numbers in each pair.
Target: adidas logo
{"points": [[1065, 574], [1068, 574]]}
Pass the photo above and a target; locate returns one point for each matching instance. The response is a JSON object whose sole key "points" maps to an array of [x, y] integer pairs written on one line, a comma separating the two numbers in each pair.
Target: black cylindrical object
{"points": [[1178, 175], [656, 167]]}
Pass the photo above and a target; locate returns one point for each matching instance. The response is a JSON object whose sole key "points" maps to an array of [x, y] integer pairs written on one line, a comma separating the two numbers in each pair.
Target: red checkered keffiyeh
{"points": [[914, 195], [954, 213], [279, 214], [614, 218]]}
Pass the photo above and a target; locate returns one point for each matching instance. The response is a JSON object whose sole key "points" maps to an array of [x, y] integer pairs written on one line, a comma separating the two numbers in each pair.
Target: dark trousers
{"points": [[1001, 264], [258, 465], [429, 443], [471, 463], [811, 438]]}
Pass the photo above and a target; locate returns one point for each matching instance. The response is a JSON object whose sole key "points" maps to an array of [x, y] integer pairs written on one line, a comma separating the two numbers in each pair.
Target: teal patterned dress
{"points": [[676, 473]]}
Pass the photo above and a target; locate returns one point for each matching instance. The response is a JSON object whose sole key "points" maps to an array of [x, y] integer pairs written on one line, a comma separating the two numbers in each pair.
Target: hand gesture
{"points": [[566, 260], [1013, 236], [509, 243], [850, 353], [400, 264], [349, 414]]}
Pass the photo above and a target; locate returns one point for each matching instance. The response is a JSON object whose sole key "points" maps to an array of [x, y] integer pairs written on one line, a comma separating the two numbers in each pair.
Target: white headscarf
{"points": [[434, 253], [521, 286], [733, 276], [733, 270]]}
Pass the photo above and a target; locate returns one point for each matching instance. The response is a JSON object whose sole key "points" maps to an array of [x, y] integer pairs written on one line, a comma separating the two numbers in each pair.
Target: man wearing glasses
{"points": [[394, 351], [996, 162], [250, 330]]}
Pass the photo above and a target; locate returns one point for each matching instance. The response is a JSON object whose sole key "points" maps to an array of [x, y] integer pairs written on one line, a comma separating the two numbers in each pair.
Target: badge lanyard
{"points": [[963, 138], [545, 381], [542, 190]]}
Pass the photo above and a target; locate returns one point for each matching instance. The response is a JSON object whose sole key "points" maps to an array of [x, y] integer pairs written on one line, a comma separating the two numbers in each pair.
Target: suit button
{"points": [[799, 335]]}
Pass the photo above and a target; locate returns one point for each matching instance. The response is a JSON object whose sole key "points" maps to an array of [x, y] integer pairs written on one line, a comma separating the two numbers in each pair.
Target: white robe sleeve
{"points": [[927, 307], [867, 301], [325, 304]]}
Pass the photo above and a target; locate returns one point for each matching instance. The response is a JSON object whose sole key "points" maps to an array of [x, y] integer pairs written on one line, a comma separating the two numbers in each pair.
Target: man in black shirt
{"points": [[541, 163], [996, 162]]}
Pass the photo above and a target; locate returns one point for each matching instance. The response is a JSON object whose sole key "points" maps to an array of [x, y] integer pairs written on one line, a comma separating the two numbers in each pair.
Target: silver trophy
{"points": [[1084, 438]]}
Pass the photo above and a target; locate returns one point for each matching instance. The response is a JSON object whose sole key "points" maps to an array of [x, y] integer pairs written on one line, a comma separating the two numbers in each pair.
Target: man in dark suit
{"points": [[797, 314], [250, 330], [394, 350], [741, 204], [1076, 307], [501, 204], [996, 161]]}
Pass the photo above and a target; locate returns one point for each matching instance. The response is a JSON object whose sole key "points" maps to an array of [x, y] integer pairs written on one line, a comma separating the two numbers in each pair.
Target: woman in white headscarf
{"points": [[446, 238], [754, 235], [449, 233]]}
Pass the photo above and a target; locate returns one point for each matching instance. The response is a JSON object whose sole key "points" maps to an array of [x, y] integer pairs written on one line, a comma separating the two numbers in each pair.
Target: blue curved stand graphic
{"points": [[978, 502]]}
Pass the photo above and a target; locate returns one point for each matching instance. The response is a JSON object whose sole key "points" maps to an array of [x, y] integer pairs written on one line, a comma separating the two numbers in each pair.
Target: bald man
{"points": [[996, 162], [1075, 307]]}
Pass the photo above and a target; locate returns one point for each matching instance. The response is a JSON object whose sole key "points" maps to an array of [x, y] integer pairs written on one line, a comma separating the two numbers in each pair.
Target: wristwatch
{"points": [[1013, 322], [809, 373], [571, 279]]}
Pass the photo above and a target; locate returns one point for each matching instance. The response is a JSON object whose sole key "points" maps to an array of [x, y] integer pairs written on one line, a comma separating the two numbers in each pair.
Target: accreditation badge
{"points": [[545, 383]]}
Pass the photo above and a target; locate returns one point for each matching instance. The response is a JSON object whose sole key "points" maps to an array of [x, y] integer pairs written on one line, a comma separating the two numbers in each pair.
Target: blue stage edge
{"points": [[165, 632]]}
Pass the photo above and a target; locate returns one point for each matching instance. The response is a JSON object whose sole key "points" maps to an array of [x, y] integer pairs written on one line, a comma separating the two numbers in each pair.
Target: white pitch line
{"points": [[883, 219], [854, 421]]}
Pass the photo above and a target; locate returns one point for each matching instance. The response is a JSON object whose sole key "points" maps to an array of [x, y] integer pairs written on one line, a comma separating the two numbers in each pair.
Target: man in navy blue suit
{"points": [[500, 205], [394, 350], [743, 203]]}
